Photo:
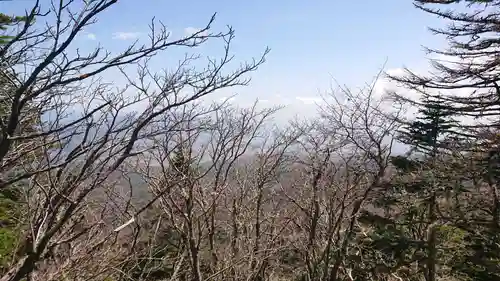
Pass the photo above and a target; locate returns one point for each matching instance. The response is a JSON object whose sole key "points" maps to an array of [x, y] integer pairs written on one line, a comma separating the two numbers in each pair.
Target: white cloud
{"points": [[384, 85], [188, 31], [126, 35], [308, 100], [91, 36], [226, 99]]}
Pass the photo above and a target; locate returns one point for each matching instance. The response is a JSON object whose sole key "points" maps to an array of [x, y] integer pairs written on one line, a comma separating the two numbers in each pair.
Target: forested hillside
{"points": [[146, 180]]}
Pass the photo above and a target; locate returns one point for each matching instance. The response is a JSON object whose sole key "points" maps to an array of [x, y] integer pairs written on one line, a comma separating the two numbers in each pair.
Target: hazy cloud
{"points": [[91, 36], [188, 31], [227, 99], [126, 35], [308, 100]]}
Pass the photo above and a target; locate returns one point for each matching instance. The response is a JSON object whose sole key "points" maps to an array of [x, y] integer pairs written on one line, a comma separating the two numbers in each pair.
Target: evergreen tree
{"points": [[155, 256], [427, 132], [470, 65], [407, 234], [11, 202], [6, 22]]}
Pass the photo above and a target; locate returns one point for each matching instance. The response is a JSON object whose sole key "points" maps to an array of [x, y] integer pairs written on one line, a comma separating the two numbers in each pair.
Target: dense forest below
{"points": [[144, 181]]}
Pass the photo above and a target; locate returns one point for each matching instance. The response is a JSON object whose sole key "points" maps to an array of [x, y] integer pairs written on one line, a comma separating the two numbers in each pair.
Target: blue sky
{"points": [[310, 41]]}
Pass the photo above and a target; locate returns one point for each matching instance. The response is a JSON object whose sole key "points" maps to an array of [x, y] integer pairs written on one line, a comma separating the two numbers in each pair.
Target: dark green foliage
{"points": [[155, 259], [10, 197], [7, 21], [481, 260], [402, 235], [10, 231], [405, 164], [386, 248], [12, 222], [466, 227], [434, 122], [470, 61]]}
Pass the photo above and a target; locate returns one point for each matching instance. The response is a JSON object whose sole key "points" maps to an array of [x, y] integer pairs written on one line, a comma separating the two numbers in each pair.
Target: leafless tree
{"points": [[87, 129], [215, 208], [345, 160]]}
